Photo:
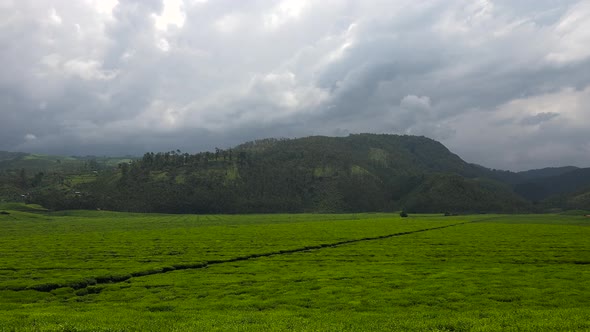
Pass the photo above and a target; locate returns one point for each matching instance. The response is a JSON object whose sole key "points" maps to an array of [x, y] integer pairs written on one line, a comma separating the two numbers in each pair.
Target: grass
{"points": [[47, 157], [22, 207], [520, 273], [43, 163], [63, 248], [46, 163], [78, 179]]}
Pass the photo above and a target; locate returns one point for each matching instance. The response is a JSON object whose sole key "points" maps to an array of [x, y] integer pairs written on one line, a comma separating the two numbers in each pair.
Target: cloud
{"points": [[538, 118], [172, 15], [416, 103], [572, 35], [547, 129], [129, 76], [87, 70]]}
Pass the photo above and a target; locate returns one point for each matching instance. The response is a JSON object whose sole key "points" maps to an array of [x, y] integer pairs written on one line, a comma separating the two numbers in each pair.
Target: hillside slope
{"points": [[535, 174], [450, 192], [363, 172], [31, 163], [545, 187]]}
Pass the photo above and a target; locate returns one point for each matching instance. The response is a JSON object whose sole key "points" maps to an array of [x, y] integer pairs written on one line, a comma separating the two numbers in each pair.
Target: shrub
{"points": [[82, 292], [45, 287]]}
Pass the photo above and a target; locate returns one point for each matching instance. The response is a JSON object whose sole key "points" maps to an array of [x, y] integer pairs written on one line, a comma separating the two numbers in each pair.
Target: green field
{"points": [[106, 271]]}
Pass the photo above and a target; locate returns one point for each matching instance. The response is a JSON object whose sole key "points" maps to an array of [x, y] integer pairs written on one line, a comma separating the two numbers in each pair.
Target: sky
{"points": [[502, 83]]}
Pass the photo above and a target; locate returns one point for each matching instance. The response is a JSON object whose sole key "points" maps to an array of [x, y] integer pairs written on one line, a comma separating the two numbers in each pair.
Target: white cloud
{"points": [[162, 44], [572, 35], [87, 70], [412, 102], [161, 116], [228, 24], [54, 17], [285, 11], [103, 6], [173, 14], [569, 103]]}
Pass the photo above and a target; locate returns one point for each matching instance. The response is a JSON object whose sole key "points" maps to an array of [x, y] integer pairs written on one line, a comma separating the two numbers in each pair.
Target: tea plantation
{"points": [[106, 271]]}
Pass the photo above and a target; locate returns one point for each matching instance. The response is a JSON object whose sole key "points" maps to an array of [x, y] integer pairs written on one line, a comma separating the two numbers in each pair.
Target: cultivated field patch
{"points": [[525, 273]]}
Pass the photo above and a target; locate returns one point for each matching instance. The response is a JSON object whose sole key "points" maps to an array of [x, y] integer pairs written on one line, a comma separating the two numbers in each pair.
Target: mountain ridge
{"points": [[360, 172]]}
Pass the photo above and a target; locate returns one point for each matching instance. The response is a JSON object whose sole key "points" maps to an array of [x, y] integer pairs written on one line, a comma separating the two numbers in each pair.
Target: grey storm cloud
{"points": [[538, 118], [502, 83]]}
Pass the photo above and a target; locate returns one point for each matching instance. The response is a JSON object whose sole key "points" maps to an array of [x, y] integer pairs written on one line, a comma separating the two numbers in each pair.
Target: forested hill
{"points": [[364, 172], [46, 163], [391, 153], [563, 183]]}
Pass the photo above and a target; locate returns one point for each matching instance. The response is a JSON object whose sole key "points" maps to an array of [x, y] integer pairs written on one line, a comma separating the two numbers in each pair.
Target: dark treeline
{"points": [[314, 174], [357, 173]]}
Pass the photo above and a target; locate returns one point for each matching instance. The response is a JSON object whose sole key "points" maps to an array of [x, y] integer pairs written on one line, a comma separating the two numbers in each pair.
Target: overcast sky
{"points": [[502, 83]]}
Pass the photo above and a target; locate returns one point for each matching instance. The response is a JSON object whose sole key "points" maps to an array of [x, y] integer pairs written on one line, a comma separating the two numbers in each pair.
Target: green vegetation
{"points": [[109, 271], [32, 163], [578, 200], [358, 173], [564, 183], [73, 246], [455, 193]]}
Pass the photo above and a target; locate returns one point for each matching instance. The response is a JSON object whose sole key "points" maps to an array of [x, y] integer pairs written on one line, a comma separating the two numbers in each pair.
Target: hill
{"points": [[5, 155], [450, 192], [578, 200], [545, 172], [11, 161], [362, 172], [538, 189]]}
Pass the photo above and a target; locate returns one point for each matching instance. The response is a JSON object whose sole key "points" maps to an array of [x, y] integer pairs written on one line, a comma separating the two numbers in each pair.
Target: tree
{"points": [[22, 179], [37, 179], [93, 165]]}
